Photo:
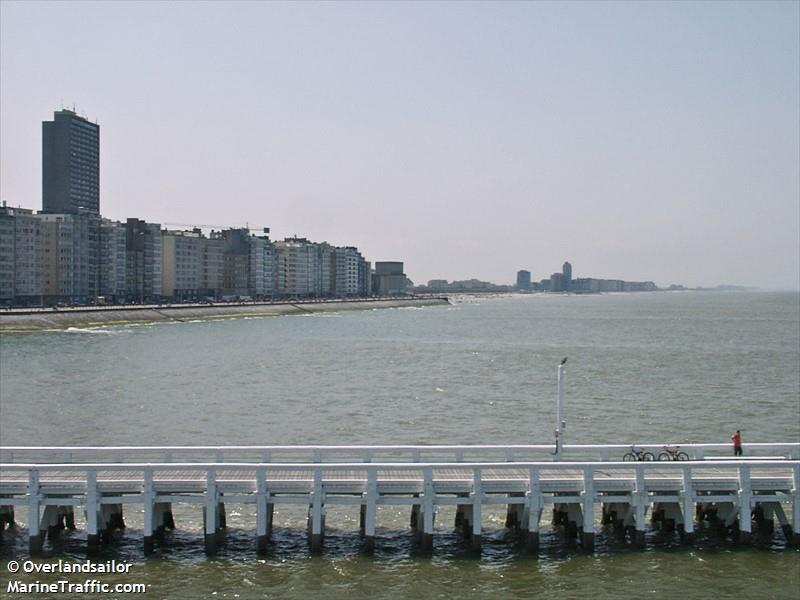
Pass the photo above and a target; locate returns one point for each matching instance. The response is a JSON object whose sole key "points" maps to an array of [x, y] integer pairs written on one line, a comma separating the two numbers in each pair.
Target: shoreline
{"points": [[34, 320]]}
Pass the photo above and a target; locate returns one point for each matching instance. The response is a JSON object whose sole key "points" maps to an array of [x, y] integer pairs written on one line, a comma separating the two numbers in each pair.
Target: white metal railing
{"points": [[364, 453], [243, 470]]}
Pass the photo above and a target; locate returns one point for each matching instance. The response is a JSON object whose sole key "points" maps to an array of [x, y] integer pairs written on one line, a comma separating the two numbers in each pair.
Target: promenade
{"points": [[42, 319]]}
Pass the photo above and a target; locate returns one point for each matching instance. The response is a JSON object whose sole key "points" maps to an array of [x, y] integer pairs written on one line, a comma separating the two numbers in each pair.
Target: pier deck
{"points": [[737, 494]]}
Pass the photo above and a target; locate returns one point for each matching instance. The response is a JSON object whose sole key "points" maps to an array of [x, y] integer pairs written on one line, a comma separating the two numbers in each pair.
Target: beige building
{"points": [[182, 264]]}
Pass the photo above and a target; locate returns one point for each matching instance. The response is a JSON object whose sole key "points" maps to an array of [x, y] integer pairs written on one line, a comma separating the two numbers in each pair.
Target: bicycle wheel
{"points": [[664, 456], [628, 457], [683, 456], [648, 456]]}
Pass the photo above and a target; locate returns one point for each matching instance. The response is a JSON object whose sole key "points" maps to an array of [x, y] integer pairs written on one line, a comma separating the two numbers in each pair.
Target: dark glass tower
{"points": [[70, 164]]}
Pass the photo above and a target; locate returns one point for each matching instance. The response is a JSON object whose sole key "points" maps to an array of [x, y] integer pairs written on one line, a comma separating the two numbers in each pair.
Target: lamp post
{"points": [[561, 424]]}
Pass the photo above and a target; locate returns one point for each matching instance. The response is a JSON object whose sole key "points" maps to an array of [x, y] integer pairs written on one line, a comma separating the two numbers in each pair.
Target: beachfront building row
{"points": [[563, 282], [48, 258]]}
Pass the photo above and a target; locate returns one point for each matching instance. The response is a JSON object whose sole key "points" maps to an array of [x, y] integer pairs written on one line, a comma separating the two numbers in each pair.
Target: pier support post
{"points": [[161, 512], [263, 512], [795, 538], [111, 519], [415, 522], [92, 509], [764, 517], [686, 529], [515, 513], [667, 517], [428, 508], [316, 518], [6, 518], [745, 495], [587, 537], [34, 502], [476, 532], [69, 518], [571, 517], [370, 510], [614, 514], [533, 512], [148, 503], [786, 528], [117, 520], [169, 519], [640, 508], [210, 513], [221, 518], [49, 525]]}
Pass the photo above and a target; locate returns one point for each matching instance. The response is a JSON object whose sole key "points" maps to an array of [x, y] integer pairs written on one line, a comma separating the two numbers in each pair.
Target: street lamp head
{"points": [[564, 360]]}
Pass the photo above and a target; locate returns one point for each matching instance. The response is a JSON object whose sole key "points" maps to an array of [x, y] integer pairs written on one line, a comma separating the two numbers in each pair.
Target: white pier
{"points": [[588, 487]]}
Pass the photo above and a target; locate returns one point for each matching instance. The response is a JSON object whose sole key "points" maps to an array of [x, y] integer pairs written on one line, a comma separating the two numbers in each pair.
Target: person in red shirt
{"points": [[737, 443]]}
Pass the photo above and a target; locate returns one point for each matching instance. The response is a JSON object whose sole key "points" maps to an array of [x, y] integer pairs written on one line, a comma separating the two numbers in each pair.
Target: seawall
{"points": [[49, 319]]}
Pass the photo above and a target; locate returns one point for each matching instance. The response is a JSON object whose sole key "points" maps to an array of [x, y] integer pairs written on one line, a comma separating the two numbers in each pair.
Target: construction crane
{"points": [[207, 226]]}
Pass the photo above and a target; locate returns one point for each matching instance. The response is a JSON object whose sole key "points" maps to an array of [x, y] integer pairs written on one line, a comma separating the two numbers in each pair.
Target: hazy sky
{"points": [[636, 140]]}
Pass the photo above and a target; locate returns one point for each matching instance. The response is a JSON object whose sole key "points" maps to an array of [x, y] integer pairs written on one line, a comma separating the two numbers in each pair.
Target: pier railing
{"points": [[377, 453]]}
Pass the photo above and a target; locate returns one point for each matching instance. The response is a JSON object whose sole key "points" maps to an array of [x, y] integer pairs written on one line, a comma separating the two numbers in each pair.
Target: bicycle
{"points": [[637, 454], [672, 453]]}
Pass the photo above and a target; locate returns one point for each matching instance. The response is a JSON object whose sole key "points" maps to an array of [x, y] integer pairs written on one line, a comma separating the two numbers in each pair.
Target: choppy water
{"points": [[684, 367]]}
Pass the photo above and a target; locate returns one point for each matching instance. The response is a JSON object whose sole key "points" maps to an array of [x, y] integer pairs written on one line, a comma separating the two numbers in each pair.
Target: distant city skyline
{"points": [[647, 141]]}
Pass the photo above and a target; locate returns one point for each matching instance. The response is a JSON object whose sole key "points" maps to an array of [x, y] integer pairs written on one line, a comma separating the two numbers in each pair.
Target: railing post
{"points": [[34, 502]]}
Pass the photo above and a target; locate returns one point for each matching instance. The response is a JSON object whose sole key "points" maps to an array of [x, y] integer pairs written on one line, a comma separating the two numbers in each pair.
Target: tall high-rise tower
{"points": [[566, 272], [70, 164]]}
